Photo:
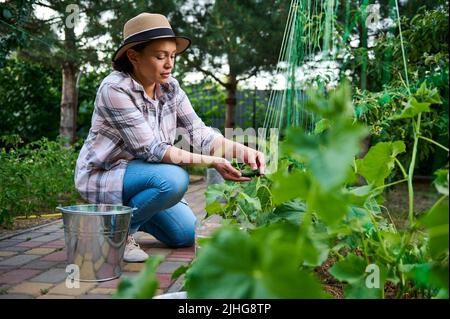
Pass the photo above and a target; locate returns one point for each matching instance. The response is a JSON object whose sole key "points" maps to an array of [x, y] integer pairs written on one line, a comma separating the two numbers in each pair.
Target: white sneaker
{"points": [[133, 253]]}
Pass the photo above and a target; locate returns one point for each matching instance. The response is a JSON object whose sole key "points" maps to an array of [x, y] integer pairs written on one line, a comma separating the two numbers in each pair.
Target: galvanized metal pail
{"points": [[95, 238]]}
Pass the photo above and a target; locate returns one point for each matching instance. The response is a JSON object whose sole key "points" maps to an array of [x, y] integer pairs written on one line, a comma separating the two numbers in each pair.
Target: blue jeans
{"points": [[156, 189]]}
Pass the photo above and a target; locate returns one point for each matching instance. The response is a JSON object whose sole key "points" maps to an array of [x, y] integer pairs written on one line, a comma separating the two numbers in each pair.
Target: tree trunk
{"points": [[69, 96], [69, 101], [231, 101]]}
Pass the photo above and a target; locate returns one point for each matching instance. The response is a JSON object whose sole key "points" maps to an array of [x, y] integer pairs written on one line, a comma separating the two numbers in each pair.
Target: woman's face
{"points": [[155, 62]]}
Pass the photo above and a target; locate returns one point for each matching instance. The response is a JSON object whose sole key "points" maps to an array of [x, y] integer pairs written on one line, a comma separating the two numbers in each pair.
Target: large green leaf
{"points": [[364, 281], [359, 194], [293, 211], [224, 267], [441, 181], [144, 285], [214, 208], [419, 273], [337, 105], [359, 290], [424, 94], [411, 109], [419, 102], [216, 191], [428, 275], [330, 206], [235, 264], [313, 252], [436, 222], [251, 204], [350, 270], [439, 276], [329, 155], [284, 253], [378, 163], [287, 186], [265, 197]]}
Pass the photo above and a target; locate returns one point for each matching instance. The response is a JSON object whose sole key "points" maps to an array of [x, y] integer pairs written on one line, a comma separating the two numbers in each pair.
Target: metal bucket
{"points": [[95, 238]]}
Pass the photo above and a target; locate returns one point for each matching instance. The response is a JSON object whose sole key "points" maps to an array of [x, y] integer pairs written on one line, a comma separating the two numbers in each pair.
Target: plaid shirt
{"points": [[126, 125]]}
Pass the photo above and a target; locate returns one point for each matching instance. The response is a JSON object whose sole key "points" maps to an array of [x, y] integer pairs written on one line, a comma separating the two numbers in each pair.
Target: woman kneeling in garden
{"points": [[129, 156]]}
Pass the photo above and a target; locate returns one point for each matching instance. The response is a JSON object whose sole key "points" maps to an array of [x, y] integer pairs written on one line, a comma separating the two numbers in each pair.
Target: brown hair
{"points": [[123, 64]]}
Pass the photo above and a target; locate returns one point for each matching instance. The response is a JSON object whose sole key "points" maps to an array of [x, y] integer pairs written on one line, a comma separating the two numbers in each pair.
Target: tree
{"points": [[243, 35], [52, 41], [13, 17], [58, 40], [353, 16], [31, 110]]}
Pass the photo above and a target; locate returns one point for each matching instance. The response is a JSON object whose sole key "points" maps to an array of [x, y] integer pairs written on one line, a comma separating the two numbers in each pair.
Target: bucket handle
{"points": [[61, 208]]}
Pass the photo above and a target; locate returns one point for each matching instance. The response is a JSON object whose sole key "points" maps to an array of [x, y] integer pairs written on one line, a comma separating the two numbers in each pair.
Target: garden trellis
{"points": [[313, 54]]}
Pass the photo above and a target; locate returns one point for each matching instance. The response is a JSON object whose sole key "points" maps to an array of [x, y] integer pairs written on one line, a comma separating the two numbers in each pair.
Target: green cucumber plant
{"points": [[341, 220], [250, 204]]}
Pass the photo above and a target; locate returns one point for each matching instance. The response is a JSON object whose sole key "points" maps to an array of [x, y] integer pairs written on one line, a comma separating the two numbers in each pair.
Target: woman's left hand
{"points": [[255, 159]]}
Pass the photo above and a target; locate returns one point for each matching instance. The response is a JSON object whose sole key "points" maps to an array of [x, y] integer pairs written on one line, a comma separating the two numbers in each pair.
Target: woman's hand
{"points": [[227, 171], [255, 159]]}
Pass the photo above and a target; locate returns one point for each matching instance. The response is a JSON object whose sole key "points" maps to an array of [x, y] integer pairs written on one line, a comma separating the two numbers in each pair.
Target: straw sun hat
{"points": [[145, 27]]}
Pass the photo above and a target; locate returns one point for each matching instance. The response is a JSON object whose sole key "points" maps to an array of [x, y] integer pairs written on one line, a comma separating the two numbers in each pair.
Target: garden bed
{"points": [[397, 201]]}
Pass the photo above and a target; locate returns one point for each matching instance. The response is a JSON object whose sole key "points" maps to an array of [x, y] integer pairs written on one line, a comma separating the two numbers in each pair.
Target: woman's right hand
{"points": [[228, 172]]}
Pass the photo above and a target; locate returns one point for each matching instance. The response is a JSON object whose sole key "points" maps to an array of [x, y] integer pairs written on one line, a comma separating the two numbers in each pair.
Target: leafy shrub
{"points": [[386, 90], [31, 94], [376, 108], [36, 178]]}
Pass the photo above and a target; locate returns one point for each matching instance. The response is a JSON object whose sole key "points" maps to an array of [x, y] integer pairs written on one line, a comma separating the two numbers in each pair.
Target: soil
{"points": [[396, 201], [331, 285]]}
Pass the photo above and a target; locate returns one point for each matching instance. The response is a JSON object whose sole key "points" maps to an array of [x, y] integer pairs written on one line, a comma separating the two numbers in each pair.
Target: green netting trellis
{"points": [[315, 43]]}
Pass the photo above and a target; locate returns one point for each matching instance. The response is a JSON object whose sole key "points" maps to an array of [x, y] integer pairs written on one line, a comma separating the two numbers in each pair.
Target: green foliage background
{"points": [[36, 178], [30, 109]]}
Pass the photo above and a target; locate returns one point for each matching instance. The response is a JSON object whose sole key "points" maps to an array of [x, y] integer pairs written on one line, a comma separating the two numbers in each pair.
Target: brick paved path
{"points": [[32, 263]]}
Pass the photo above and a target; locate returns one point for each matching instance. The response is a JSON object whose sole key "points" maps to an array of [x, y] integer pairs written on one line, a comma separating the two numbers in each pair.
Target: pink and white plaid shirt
{"points": [[126, 125]]}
